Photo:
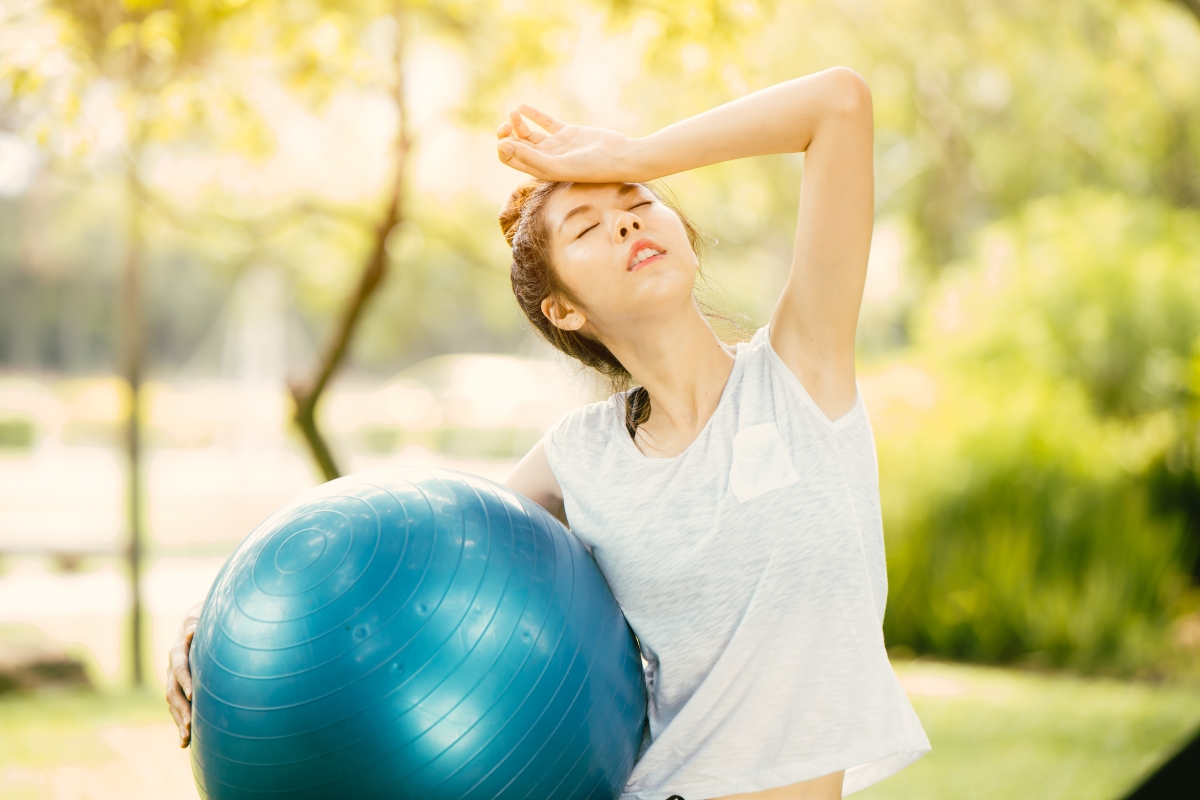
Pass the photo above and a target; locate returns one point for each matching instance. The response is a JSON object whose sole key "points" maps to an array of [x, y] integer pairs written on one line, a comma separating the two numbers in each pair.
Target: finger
{"points": [[173, 702], [542, 118], [520, 129], [504, 130], [507, 152], [180, 711], [180, 670]]}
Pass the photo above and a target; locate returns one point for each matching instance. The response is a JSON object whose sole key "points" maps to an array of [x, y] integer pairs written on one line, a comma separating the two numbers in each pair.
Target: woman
{"points": [[731, 500]]}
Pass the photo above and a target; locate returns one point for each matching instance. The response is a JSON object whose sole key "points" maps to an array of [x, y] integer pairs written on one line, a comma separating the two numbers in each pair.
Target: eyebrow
{"points": [[624, 190]]}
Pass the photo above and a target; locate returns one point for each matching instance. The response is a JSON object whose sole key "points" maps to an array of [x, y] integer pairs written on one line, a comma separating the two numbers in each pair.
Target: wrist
{"points": [[640, 160]]}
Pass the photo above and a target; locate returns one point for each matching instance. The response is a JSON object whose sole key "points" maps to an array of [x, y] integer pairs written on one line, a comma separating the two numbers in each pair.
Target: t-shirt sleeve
{"points": [[573, 445]]}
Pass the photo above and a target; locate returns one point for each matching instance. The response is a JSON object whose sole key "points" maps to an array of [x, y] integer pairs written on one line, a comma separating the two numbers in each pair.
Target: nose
{"points": [[626, 225]]}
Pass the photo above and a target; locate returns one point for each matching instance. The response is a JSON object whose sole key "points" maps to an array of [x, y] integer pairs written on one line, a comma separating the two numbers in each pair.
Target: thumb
{"points": [[522, 156]]}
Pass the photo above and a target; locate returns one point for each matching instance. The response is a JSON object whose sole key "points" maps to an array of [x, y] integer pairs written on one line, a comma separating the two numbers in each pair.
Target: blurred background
{"points": [[249, 245]]}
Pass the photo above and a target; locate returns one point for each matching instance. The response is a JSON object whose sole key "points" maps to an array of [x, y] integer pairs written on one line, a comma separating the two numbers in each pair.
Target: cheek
{"points": [[581, 269], [674, 235]]}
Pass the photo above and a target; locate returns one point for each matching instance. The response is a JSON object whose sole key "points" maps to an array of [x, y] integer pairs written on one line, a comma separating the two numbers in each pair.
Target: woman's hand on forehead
{"points": [[564, 152]]}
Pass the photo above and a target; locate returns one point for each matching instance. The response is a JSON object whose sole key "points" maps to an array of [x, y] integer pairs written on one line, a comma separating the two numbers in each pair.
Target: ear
{"points": [[562, 314]]}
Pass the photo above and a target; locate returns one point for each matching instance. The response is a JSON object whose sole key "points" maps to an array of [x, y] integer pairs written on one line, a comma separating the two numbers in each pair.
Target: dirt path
{"points": [[147, 766]]}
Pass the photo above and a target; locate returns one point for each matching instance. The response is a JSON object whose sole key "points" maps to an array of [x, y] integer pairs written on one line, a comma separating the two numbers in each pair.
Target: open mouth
{"points": [[643, 253]]}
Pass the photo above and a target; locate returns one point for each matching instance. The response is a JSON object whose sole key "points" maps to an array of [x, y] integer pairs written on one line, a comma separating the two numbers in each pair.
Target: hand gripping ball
{"points": [[413, 633]]}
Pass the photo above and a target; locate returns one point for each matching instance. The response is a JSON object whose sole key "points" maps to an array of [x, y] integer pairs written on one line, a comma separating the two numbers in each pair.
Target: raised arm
{"points": [[827, 116]]}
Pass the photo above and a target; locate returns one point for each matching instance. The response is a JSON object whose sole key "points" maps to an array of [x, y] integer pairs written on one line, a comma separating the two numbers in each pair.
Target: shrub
{"points": [[1023, 504]]}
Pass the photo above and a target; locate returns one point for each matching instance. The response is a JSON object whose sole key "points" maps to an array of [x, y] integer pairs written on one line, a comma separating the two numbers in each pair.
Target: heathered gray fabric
{"points": [[751, 567]]}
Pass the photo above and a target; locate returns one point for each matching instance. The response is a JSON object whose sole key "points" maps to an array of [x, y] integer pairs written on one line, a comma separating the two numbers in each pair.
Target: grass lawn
{"points": [[71, 745], [1001, 734], [995, 733]]}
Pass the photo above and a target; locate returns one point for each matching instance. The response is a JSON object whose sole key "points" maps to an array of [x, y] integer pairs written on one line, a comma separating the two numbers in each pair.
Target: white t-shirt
{"points": [[751, 568]]}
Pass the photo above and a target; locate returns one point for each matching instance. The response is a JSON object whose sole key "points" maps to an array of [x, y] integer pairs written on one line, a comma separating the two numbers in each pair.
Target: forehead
{"points": [[598, 195]]}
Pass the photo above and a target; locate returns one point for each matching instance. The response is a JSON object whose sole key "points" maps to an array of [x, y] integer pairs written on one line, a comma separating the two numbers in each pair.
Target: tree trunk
{"points": [[307, 394], [131, 312]]}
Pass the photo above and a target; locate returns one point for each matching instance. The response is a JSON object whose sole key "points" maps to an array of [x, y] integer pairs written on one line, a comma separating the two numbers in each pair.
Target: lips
{"points": [[642, 253]]}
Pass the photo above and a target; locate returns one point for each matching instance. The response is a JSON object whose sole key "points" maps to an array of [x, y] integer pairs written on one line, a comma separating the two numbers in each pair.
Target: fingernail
{"points": [[182, 733], [506, 148], [188, 693]]}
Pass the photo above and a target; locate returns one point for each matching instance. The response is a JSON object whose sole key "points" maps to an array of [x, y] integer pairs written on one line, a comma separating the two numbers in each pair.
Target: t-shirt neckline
{"points": [[618, 417]]}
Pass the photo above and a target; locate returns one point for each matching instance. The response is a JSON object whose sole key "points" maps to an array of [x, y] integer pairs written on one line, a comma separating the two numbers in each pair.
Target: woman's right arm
{"points": [[179, 675], [533, 478]]}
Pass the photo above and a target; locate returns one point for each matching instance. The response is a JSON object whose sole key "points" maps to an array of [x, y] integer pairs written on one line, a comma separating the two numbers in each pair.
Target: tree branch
{"points": [[307, 394], [258, 227], [1192, 6]]}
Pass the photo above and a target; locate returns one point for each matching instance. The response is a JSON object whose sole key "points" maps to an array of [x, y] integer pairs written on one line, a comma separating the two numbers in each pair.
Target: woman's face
{"points": [[621, 253]]}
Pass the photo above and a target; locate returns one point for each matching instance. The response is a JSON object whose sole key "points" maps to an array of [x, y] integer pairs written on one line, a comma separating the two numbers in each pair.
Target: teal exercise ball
{"points": [[413, 633]]}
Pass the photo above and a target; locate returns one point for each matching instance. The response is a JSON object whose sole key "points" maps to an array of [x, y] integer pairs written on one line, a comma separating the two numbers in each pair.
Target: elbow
{"points": [[849, 95]]}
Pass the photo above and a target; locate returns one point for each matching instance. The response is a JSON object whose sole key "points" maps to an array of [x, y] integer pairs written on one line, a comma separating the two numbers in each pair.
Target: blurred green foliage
{"points": [[1023, 502], [980, 107], [17, 433]]}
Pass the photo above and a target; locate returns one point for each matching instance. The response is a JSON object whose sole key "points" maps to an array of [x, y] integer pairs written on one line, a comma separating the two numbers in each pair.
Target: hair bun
{"points": [[510, 215]]}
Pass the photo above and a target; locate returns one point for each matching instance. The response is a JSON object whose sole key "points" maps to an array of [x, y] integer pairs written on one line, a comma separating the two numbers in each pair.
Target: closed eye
{"points": [[631, 208]]}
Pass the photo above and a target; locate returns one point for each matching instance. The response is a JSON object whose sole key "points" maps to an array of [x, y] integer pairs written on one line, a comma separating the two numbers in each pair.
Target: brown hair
{"points": [[534, 279]]}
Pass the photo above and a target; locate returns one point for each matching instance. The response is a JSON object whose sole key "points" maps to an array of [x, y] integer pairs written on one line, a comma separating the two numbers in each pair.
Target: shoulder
{"points": [[759, 366], [593, 423], [757, 355]]}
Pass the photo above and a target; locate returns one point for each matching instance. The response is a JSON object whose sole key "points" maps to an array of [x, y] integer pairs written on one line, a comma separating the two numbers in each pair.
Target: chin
{"points": [[664, 287]]}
